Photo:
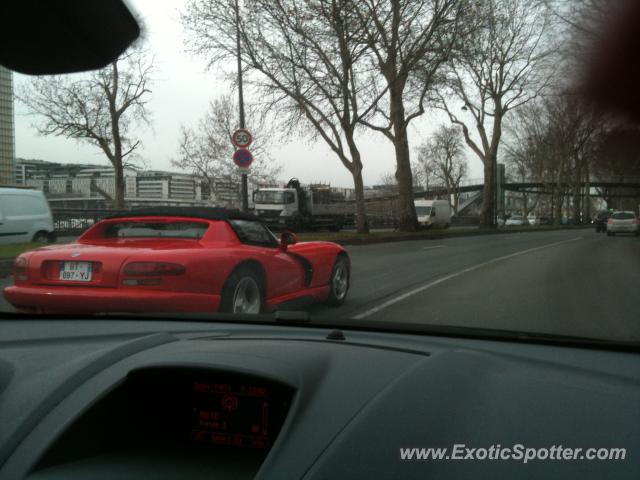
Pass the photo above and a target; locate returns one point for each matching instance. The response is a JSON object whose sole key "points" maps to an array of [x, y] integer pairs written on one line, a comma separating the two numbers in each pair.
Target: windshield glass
{"points": [[266, 196], [622, 216], [335, 138]]}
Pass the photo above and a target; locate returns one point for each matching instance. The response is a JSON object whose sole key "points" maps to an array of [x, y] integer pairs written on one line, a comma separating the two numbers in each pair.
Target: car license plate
{"points": [[75, 271]]}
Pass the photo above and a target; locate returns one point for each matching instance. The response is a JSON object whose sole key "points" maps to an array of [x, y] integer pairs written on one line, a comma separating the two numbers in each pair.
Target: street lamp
{"points": [[244, 193]]}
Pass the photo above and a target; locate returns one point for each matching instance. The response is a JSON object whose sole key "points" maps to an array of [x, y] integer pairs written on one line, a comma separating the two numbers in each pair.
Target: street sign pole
{"points": [[244, 191]]}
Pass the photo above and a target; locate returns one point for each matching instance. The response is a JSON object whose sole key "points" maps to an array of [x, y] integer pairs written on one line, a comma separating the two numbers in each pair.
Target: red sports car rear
{"points": [[186, 260]]}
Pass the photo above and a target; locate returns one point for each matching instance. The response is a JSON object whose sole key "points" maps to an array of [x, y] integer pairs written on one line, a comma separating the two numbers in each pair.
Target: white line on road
{"points": [[422, 288], [435, 246]]}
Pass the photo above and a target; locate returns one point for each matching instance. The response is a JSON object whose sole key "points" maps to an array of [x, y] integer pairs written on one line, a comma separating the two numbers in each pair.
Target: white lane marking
{"points": [[435, 246], [422, 288]]}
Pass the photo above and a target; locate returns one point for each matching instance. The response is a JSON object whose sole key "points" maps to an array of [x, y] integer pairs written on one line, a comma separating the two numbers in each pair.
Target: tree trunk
{"points": [[577, 194], [488, 193], [362, 225], [407, 210], [120, 190], [355, 167], [587, 190], [557, 214], [116, 159]]}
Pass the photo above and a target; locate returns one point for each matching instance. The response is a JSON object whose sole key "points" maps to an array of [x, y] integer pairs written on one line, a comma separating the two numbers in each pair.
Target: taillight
{"points": [[20, 269], [153, 269], [635, 221], [610, 221]]}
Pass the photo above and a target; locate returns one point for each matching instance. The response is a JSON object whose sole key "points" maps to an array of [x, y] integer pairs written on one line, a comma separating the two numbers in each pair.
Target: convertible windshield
{"points": [[156, 230]]}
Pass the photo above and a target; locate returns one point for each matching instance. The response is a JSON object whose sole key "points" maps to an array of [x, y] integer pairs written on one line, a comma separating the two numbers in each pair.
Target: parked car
{"points": [[516, 221], [623, 222], [533, 220], [545, 220], [600, 221], [25, 216]]}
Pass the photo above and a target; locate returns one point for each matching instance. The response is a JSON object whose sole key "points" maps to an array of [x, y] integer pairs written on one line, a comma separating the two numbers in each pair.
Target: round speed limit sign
{"points": [[241, 138]]}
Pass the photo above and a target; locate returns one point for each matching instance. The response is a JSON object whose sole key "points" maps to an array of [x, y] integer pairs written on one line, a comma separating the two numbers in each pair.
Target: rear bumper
{"points": [[96, 300]]}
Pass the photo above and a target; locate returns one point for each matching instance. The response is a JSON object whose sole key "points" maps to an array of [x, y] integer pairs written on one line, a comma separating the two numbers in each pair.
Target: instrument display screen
{"points": [[207, 408], [235, 414]]}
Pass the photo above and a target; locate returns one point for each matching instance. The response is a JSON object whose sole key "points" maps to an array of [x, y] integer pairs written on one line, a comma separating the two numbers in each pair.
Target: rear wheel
{"points": [[40, 237], [339, 281], [243, 292]]}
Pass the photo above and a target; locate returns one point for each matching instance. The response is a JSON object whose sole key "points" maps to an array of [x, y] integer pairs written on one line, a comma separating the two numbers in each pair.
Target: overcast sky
{"points": [[182, 89]]}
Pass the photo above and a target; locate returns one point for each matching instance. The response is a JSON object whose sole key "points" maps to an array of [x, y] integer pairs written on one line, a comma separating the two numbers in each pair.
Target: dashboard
{"points": [[186, 399]]}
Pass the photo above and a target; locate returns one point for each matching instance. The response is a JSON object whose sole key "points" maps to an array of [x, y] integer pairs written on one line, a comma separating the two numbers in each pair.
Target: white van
{"points": [[25, 216], [433, 213]]}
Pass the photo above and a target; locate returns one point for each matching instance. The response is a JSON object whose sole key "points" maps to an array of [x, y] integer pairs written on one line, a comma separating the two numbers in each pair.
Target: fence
{"points": [[71, 222], [67, 222]]}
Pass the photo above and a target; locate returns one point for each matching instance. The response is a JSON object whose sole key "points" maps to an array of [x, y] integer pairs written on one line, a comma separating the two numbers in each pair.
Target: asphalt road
{"points": [[573, 282]]}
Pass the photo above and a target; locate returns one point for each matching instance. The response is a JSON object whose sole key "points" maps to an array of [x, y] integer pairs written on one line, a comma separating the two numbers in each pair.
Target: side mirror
{"points": [[286, 239]]}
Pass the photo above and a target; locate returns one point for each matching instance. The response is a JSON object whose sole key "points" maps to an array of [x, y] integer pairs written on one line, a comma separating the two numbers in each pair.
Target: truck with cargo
{"points": [[299, 207]]}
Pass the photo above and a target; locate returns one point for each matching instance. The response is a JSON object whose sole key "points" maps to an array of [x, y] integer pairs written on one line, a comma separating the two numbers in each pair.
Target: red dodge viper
{"points": [[179, 259]]}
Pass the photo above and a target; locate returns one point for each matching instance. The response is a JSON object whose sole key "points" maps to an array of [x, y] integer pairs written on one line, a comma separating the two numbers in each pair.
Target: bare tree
{"points": [[418, 174], [389, 182], [100, 108], [444, 156], [557, 141], [304, 59], [503, 67], [526, 150], [409, 41], [206, 150]]}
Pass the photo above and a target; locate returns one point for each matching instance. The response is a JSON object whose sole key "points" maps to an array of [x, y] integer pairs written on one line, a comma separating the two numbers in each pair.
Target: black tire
{"points": [[338, 290], [40, 237], [239, 276]]}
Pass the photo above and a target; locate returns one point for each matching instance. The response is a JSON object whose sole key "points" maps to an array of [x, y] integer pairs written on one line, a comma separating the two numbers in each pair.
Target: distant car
{"points": [[545, 221], [25, 216], [533, 220], [623, 222], [600, 221], [180, 259], [516, 221]]}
